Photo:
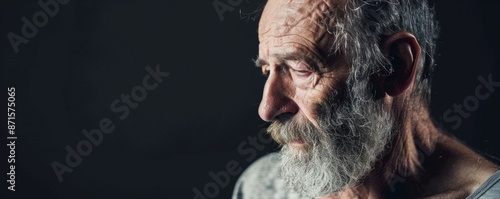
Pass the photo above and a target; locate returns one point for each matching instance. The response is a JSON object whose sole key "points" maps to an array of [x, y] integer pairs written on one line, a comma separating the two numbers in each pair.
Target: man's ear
{"points": [[403, 51]]}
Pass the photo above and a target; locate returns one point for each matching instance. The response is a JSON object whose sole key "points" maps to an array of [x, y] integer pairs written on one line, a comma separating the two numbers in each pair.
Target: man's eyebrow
{"points": [[313, 62], [259, 62], [290, 56]]}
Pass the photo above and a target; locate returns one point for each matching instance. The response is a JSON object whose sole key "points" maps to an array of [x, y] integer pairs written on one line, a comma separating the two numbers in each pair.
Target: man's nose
{"points": [[276, 99]]}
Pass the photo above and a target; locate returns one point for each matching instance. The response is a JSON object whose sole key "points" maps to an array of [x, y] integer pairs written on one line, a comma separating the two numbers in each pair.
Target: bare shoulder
{"points": [[456, 171]]}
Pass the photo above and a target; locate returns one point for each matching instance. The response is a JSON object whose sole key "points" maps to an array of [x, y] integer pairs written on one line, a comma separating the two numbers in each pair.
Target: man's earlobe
{"points": [[403, 52]]}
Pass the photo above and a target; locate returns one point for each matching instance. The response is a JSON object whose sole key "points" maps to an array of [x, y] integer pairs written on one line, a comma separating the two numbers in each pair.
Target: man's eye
{"points": [[301, 73]]}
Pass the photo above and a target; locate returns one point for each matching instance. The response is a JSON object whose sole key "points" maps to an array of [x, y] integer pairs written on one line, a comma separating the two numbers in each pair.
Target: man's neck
{"points": [[422, 162]]}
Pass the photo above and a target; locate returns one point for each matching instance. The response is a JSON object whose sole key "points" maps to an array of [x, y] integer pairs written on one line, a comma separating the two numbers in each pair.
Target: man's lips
{"points": [[297, 144]]}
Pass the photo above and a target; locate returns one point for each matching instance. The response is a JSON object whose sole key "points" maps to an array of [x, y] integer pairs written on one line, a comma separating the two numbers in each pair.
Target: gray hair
{"points": [[360, 26]]}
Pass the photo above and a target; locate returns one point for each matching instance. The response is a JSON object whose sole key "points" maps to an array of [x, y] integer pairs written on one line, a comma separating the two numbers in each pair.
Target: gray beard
{"points": [[351, 137]]}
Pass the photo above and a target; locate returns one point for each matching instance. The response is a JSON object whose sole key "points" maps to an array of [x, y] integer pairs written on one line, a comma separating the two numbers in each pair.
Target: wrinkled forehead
{"points": [[282, 17], [302, 27]]}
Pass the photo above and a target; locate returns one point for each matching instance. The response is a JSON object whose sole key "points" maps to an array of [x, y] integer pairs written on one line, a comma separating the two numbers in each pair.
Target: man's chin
{"points": [[312, 171], [305, 177]]}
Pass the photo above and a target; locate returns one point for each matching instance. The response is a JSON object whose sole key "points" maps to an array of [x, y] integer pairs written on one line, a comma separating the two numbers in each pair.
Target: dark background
{"points": [[90, 52]]}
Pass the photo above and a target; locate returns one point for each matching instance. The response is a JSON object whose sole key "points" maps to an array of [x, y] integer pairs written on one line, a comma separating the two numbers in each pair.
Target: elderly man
{"points": [[347, 94]]}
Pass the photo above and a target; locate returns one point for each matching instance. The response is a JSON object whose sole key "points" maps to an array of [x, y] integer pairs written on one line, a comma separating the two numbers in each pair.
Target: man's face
{"points": [[330, 140], [293, 47]]}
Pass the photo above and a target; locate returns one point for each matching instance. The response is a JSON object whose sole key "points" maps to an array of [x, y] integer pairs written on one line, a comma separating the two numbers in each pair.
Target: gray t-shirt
{"points": [[262, 181], [490, 189]]}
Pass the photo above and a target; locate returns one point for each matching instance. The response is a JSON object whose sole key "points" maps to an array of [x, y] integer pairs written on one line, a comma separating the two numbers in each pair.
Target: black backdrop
{"points": [[199, 119]]}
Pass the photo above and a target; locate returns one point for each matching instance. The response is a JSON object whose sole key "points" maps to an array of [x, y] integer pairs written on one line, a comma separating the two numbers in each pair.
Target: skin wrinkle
{"points": [[304, 49], [308, 18], [292, 43]]}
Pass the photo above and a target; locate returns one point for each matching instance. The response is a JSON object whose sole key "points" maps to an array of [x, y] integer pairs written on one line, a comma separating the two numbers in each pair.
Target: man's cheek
{"points": [[310, 99]]}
